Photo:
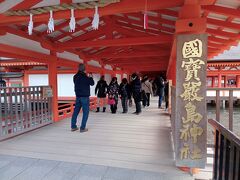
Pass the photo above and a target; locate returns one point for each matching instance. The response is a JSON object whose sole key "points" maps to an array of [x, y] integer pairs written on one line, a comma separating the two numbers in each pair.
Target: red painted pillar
{"points": [[219, 80], [213, 80], [238, 81], [52, 81], [225, 81], [26, 79]]}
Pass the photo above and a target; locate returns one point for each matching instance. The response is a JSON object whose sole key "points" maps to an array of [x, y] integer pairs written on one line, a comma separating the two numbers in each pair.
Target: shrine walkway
{"points": [[117, 147]]}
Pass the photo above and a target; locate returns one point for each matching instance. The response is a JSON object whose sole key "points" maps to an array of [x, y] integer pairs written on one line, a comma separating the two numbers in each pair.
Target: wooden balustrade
{"points": [[227, 153], [66, 110], [23, 109]]}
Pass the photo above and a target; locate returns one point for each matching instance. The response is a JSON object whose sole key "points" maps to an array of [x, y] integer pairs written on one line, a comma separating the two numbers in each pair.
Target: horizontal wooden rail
{"points": [[227, 153], [66, 110]]}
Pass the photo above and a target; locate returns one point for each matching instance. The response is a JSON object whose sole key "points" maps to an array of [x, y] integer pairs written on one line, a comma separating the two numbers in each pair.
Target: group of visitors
{"points": [[139, 90], [125, 91]]}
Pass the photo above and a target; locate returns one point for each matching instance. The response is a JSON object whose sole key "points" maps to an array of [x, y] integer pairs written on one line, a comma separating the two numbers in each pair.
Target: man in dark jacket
{"points": [[82, 85], [160, 90], [136, 92], [101, 91]]}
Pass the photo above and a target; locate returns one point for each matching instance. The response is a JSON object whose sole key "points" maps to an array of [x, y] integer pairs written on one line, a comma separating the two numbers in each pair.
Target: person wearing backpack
{"points": [[125, 95]]}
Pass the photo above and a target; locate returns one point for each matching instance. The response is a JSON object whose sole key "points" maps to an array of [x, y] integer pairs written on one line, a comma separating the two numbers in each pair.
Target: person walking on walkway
{"points": [[82, 85], [147, 91], [101, 91], [166, 94], [124, 92], [113, 89], [160, 90], [136, 92]]}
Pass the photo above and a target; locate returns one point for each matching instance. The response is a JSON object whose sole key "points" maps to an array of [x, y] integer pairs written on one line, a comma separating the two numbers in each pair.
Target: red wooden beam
{"points": [[168, 12], [26, 4], [147, 61], [65, 1], [162, 39], [145, 68], [223, 33], [130, 33], [15, 52], [133, 22], [235, 13], [152, 31], [88, 35], [152, 27], [133, 54], [78, 28], [125, 6], [219, 40], [223, 23]]}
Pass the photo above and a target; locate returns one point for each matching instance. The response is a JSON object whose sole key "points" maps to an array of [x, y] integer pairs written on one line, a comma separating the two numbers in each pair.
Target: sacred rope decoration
{"points": [[95, 22], [50, 23], [30, 25], [72, 23]]}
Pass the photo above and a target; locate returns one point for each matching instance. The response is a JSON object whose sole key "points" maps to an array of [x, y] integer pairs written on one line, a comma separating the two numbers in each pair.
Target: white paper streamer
{"points": [[30, 25], [72, 23], [50, 23], [95, 22]]}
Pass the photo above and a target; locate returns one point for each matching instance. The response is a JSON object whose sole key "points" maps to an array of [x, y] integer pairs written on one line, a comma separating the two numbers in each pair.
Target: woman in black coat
{"points": [[101, 91]]}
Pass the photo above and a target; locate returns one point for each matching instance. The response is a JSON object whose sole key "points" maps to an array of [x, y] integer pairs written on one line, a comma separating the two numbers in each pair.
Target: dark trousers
{"points": [[81, 102], [148, 99], [160, 101], [125, 104], [166, 102], [144, 99], [137, 99], [113, 108]]}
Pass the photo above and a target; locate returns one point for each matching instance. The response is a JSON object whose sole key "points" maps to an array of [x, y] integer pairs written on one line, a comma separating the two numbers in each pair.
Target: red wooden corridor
{"points": [[49, 39]]}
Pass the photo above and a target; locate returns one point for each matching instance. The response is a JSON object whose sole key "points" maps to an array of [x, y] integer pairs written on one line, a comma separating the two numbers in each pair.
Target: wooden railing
{"points": [[224, 94], [23, 109], [227, 144], [227, 153], [66, 110]]}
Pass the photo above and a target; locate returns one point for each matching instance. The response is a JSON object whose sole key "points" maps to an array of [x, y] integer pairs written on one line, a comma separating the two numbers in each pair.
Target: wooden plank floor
{"points": [[139, 142]]}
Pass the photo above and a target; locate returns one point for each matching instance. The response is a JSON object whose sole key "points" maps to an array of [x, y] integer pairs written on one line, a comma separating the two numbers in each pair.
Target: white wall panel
{"points": [[66, 85], [108, 78], [119, 78], [38, 80]]}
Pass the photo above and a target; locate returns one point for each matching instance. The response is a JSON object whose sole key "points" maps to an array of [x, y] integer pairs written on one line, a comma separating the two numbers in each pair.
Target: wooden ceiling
{"points": [[121, 40]]}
